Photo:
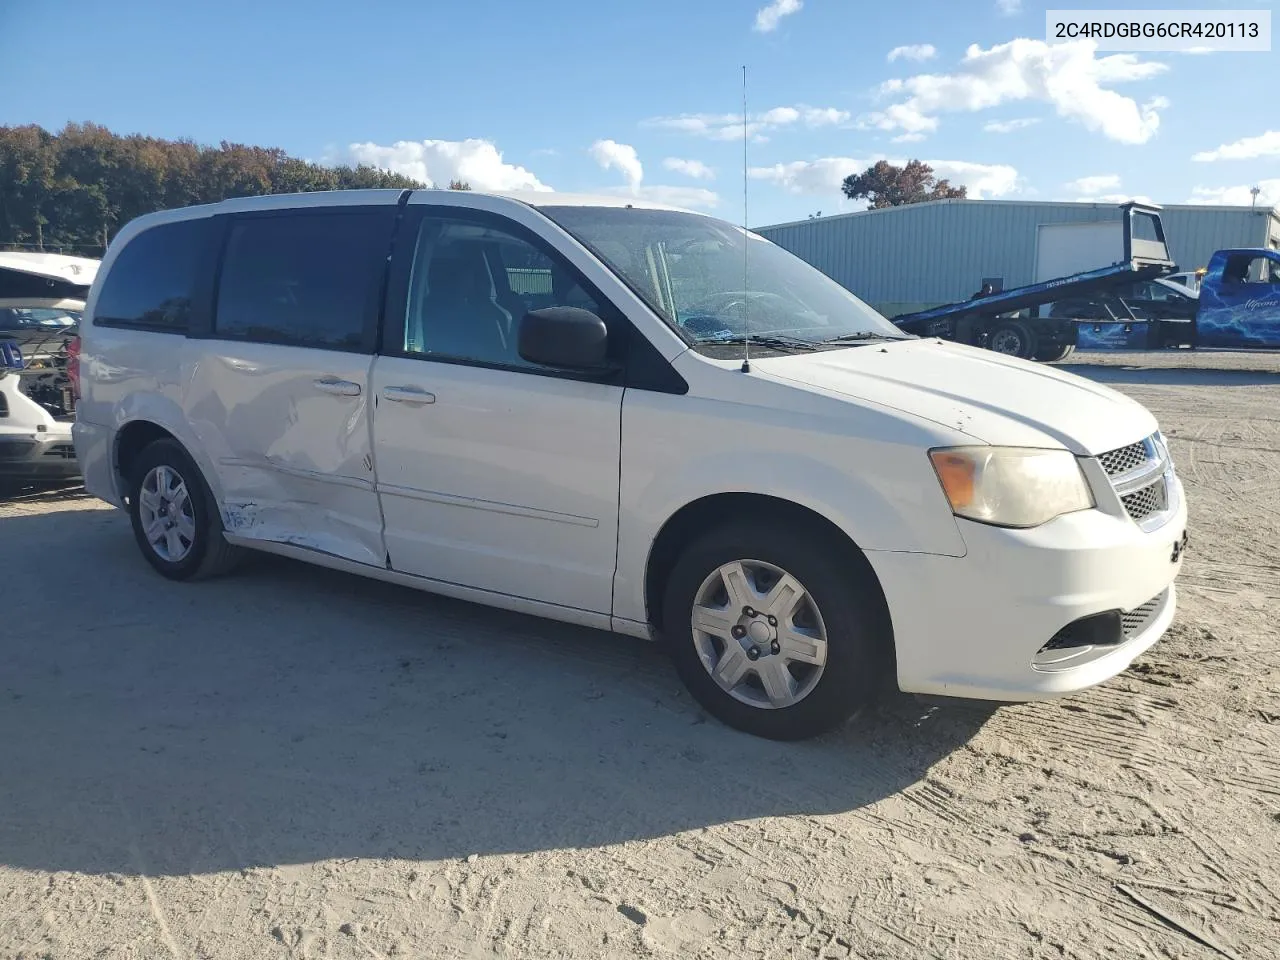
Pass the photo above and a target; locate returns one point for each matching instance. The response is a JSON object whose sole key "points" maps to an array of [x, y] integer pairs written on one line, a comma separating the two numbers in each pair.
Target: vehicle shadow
{"points": [[22, 490], [1172, 376], [290, 714]]}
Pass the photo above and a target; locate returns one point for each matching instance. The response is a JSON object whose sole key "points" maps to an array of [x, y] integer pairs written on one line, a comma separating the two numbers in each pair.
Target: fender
{"points": [[166, 414], [909, 515]]}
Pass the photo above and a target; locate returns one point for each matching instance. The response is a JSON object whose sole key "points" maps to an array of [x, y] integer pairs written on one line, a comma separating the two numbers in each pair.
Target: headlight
{"points": [[1011, 486]]}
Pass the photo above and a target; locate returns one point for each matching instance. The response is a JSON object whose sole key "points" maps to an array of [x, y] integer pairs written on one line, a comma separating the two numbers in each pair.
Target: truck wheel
{"points": [[1052, 354], [1013, 338], [771, 636], [175, 519]]}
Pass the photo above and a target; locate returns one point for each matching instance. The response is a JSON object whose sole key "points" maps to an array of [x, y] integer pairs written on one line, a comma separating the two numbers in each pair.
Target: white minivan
{"points": [[631, 417]]}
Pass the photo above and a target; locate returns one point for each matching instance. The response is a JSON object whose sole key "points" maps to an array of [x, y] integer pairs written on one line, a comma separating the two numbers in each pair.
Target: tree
{"points": [[888, 186], [75, 189], [459, 185]]}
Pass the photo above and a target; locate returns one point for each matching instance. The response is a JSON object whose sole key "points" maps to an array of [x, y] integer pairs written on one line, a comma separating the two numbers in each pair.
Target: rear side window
{"points": [[150, 284], [303, 279]]}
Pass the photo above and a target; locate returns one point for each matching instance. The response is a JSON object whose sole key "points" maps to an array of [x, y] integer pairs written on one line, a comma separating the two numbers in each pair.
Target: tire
{"points": [[1052, 354], [1013, 338], [836, 581], [192, 546]]}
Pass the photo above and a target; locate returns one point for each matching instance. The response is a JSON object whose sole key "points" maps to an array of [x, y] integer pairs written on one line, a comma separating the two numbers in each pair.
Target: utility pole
{"points": [[1254, 191]]}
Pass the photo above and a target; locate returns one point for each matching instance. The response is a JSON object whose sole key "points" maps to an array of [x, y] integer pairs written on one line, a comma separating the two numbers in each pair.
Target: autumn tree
{"points": [[885, 185], [459, 185], [75, 189]]}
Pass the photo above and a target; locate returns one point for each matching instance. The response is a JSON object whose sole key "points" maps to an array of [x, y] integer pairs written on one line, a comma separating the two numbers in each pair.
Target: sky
{"points": [[646, 99]]}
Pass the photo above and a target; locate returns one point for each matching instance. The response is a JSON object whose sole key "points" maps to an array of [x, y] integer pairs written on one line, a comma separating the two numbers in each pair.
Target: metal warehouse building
{"points": [[917, 256]]}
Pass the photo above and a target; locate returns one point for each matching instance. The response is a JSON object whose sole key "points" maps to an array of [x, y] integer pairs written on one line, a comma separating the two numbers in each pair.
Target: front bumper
{"points": [[975, 626], [39, 455]]}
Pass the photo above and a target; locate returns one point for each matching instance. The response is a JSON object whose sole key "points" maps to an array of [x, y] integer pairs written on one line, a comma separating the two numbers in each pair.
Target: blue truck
{"points": [[1238, 306]]}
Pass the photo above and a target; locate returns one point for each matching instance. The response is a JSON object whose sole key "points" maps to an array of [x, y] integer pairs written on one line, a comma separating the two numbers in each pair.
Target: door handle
{"points": [[414, 395], [339, 388]]}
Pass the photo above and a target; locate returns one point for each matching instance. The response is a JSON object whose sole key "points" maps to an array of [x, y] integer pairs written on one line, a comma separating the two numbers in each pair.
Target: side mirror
{"points": [[567, 337]]}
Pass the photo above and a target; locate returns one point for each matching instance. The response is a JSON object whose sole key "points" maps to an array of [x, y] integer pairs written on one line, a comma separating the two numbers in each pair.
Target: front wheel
{"points": [[775, 630], [175, 519]]}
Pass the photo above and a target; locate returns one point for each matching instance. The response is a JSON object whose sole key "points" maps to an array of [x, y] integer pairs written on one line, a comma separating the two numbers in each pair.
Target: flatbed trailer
{"points": [[995, 320]]}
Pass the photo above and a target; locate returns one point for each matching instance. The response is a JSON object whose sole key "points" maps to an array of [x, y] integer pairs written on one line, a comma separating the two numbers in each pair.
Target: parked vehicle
{"points": [[1237, 308], [545, 403], [1188, 280], [1158, 299], [1131, 304], [41, 296], [1008, 321]]}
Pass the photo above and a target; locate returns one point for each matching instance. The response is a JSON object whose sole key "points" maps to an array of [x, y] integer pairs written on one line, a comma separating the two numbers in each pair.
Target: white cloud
{"points": [[1009, 126], [692, 197], [729, 126], [1247, 148], [1269, 195], [690, 168], [822, 176], [1067, 75], [823, 116], [1091, 185], [622, 157], [1009, 7], [478, 162], [913, 51], [780, 116], [981, 179], [909, 138], [1113, 198], [767, 17], [825, 176]]}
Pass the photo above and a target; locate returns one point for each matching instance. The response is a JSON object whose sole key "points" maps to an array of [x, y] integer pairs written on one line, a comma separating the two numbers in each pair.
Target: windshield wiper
{"points": [[865, 335], [777, 341]]}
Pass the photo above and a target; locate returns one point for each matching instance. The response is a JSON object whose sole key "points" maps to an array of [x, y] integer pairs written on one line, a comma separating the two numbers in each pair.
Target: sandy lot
{"points": [[292, 763]]}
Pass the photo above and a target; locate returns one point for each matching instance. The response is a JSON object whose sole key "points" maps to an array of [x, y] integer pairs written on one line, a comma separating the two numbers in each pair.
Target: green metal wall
{"points": [[920, 255]]}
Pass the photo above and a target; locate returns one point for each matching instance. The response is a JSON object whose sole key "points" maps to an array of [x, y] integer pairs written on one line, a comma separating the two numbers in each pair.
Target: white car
{"points": [[41, 297], [545, 403], [35, 442]]}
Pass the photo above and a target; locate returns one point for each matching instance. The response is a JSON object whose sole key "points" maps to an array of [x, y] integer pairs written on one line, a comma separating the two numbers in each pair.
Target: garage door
{"points": [[1066, 248]]}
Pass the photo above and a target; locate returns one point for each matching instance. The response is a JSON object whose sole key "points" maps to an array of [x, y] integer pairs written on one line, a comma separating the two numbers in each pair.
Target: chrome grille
{"points": [[1153, 498], [1138, 474], [1127, 458], [1134, 621]]}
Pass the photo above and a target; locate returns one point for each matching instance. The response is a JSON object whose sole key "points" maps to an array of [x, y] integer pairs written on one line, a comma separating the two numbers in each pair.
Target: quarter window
{"points": [[303, 279], [150, 284], [472, 283]]}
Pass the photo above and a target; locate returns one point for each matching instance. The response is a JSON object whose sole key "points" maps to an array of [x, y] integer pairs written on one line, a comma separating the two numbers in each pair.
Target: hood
{"points": [[993, 398]]}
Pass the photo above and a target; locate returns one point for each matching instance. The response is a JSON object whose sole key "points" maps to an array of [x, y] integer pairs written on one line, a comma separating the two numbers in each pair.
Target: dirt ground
{"points": [[292, 763]]}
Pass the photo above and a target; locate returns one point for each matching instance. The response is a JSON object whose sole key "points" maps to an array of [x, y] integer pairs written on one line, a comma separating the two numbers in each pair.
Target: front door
{"points": [[1240, 300], [493, 473], [279, 390]]}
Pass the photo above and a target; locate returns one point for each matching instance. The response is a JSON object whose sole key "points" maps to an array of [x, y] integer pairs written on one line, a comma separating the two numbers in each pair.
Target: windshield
{"points": [[714, 282], [36, 318]]}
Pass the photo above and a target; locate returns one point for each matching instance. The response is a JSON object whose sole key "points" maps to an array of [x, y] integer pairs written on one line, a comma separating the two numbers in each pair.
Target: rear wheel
{"points": [[1014, 339], [776, 631], [175, 519], [1055, 352]]}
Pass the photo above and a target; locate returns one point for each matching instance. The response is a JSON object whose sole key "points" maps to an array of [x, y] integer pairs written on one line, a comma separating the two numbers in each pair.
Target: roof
{"points": [[55, 266], [324, 198], [1273, 211]]}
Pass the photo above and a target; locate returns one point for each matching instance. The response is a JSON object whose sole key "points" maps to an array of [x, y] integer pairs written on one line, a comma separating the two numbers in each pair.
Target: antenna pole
{"points": [[746, 333]]}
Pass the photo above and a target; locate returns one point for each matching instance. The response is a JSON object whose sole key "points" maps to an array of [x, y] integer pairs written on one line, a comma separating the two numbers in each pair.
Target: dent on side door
{"points": [[288, 430]]}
